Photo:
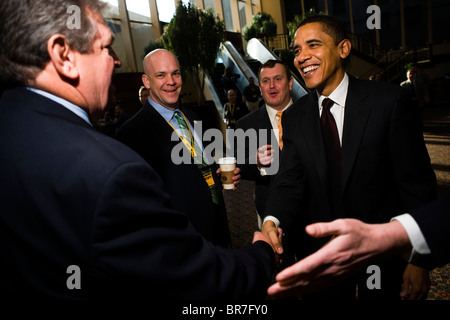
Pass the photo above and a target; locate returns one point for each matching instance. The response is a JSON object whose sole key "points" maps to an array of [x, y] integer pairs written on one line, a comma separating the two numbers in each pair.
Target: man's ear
{"points": [[345, 47], [62, 56], [146, 81]]}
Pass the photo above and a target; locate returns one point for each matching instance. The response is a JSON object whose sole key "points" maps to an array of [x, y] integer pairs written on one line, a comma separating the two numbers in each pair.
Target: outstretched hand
{"points": [[353, 244]]}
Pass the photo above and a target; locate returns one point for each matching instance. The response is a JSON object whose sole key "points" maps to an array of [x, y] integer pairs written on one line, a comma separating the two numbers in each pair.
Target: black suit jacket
{"points": [[434, 221], [74, 196], [385, 164], [150, 136], [258, 121]]}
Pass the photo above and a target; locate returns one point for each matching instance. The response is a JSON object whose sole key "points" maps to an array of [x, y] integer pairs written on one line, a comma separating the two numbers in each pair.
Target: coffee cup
{"points": [[227, 167]]}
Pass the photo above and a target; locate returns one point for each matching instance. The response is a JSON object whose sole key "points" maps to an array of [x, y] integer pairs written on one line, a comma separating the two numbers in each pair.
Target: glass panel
{"points": [[113, 9], [142, 36], [208, 4], [138, 10], [242, 16], [227, 15], [166, 9], [118, 44]]}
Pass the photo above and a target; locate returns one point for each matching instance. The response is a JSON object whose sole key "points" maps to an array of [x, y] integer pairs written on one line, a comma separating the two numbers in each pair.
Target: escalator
{"points": [[228, 56]]}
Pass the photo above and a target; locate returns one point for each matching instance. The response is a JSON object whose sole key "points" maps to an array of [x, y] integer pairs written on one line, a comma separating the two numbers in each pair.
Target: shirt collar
{"points": [[339, 95], [272, 112], [66, 104], [166, 113]]}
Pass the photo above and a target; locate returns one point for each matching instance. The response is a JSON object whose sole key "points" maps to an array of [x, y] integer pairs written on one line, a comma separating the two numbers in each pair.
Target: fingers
{"points": [[271, 231], [264, 155], [325, 229]]}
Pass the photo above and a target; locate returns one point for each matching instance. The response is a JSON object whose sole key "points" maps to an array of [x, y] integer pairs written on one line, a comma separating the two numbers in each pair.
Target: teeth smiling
{"points": [[309, 68]]}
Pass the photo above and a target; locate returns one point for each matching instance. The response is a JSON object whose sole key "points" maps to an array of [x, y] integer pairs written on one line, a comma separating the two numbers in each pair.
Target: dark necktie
{"points": [[333, 150], [198, 155]]}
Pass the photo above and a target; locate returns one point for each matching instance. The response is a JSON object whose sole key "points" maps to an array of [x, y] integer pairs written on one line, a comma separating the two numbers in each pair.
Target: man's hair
{"points": [[331, 26], [26, 26], [271, 64]]}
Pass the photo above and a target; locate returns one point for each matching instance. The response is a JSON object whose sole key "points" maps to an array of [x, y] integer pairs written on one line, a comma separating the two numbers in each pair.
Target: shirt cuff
{"points": [[415, 235], [262, 171], [273, 219]]}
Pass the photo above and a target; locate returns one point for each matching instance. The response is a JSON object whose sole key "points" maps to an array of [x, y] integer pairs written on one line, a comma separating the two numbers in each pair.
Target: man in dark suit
{"points": [[361, 156], [355, 243], [193, 189], [83, 216], [275, 83]]}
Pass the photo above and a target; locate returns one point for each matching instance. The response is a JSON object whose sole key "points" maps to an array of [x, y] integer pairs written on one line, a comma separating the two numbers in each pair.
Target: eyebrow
{"points": [[308, 42]]}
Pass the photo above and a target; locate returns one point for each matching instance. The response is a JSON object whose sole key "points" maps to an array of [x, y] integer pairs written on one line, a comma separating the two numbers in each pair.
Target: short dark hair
{"points": [[271, 63], [331, 26], [27, 25]]}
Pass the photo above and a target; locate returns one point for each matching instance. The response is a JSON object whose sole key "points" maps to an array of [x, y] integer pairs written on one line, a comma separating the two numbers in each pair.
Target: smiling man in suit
{"points": [[77, 204], [352, 149], [193, 185]]}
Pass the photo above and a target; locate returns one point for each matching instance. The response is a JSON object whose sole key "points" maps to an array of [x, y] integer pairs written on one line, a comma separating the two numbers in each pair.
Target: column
{"points": [[154, 19], [402, 23], [350, 11], [127, 37]]}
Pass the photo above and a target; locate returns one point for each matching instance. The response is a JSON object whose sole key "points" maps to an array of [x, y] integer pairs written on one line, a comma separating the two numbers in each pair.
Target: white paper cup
{"points": [[227, 167]]}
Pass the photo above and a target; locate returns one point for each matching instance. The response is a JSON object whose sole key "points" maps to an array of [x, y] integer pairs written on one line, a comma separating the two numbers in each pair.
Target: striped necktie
{"points": [[198, 155]]}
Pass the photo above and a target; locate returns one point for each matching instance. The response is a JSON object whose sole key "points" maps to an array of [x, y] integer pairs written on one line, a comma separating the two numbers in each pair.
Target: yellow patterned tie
{"points": [[280, 130]]}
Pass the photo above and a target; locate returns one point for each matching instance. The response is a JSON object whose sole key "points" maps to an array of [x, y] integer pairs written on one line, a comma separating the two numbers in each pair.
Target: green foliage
{"points": [[262, 26], [292, 26], [194, 36], [153, 46]]}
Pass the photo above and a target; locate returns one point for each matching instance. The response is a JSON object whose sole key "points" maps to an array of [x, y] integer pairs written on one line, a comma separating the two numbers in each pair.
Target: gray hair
{"points": [[26, 26]]}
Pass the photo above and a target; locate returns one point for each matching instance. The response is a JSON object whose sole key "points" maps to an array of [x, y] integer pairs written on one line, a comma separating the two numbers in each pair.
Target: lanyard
{"points": [[188, 145]]}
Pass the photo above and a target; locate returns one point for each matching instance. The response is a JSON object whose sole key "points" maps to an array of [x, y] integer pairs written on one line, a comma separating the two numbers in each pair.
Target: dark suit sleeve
{"points": [[287, 188], [142, 246], [434, 222], [246, 161]]}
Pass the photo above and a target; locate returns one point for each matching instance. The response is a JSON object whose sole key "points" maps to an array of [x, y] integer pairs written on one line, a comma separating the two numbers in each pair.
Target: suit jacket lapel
{"points": [[357, 112], [264, 123], [310, 126]]}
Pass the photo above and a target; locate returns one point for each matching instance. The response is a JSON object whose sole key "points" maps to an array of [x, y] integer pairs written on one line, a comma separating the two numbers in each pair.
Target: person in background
{"points": [[252, 95], [276, 83], [143, 94], [234, 109]]}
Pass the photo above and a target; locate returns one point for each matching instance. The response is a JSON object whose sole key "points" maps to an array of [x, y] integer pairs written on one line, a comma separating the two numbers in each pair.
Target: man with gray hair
{"points": [[84, 217]]}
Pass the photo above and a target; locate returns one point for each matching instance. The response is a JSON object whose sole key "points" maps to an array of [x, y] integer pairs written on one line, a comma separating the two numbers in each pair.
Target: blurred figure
{"points": [[229, 80], [234, 109], [417, 87], [143, 94], [252, 95]]}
